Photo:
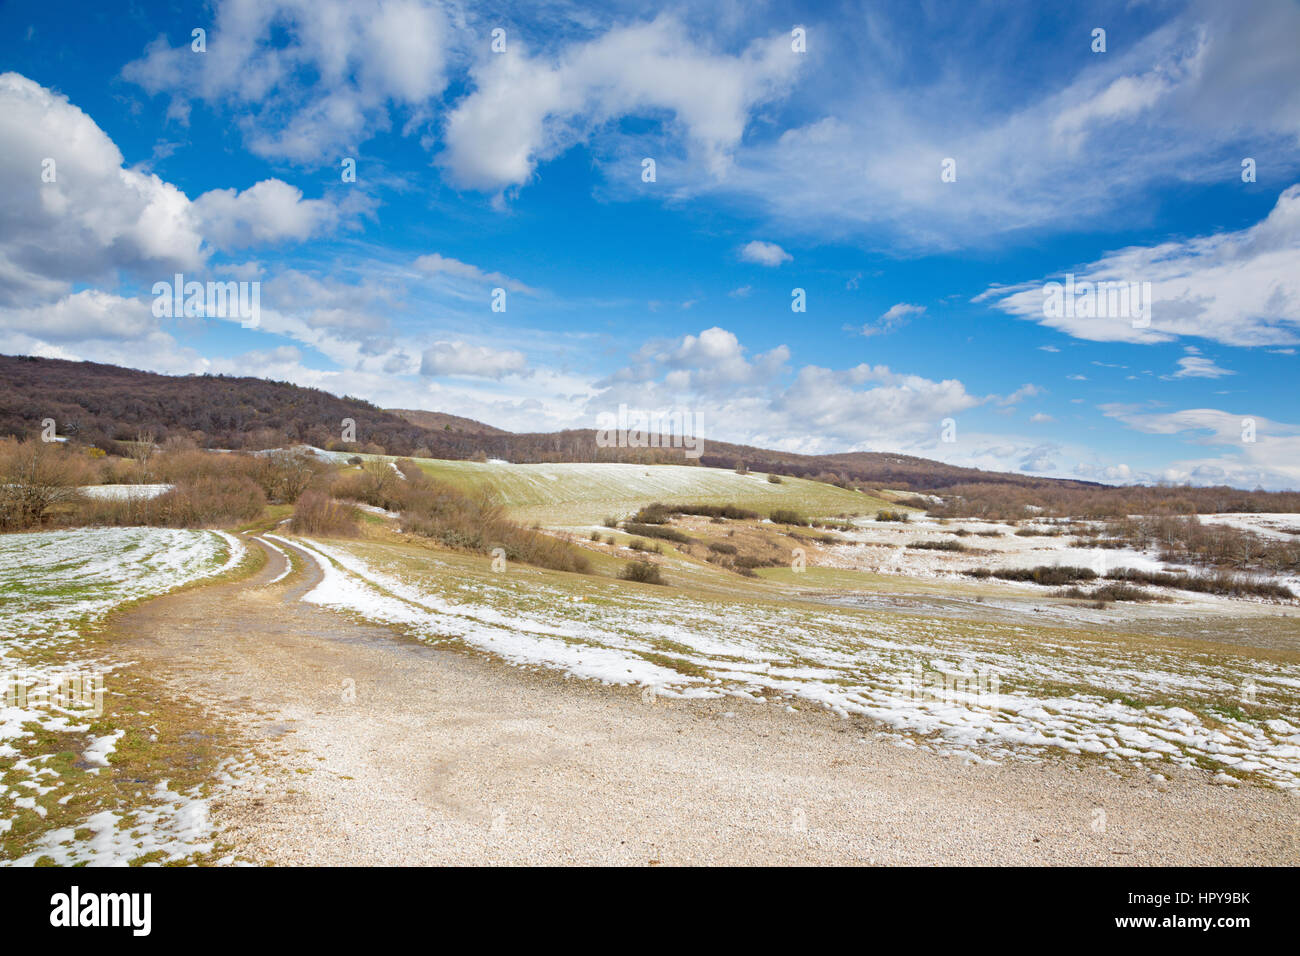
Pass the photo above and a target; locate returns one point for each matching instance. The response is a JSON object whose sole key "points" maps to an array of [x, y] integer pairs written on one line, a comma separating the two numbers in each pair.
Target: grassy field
{"points": [[1132, 700], [579, 494]]}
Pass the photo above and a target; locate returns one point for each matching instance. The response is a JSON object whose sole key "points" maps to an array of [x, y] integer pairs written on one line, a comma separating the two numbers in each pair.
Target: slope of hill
{"points": [[578, 493], [100, 404], [441, 421]]}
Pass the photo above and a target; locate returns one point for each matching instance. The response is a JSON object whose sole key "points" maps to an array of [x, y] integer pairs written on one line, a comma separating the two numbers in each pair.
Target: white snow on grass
{"points": [[124, 492], [1279, 527], [52, 580], [1103, 697], [51, 584]]}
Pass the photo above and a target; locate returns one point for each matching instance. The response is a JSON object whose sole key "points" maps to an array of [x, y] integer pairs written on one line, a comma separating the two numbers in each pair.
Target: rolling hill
{"points": [[103, 404]]}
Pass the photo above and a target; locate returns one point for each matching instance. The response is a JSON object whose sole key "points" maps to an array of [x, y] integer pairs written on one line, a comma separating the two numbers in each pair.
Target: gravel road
{"points": [[382, 750]]}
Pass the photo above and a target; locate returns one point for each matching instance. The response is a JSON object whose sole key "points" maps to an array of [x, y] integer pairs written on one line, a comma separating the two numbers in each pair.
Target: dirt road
{"points": [[385, 750]]}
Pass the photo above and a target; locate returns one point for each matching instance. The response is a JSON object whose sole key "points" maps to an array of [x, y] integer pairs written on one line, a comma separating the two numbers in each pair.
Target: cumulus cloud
{"points": [[266, 212], [96, 216], [713, 360], [525, 109], [764, 253], [757, 399], [459, 358], [1256, 450], [331, 82], [89, 314]]}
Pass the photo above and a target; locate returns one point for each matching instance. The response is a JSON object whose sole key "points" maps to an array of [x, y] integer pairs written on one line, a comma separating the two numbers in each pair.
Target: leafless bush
{"points": [[34, 477], [641, 571], [284, 475], [319, 514], [199, 502]]}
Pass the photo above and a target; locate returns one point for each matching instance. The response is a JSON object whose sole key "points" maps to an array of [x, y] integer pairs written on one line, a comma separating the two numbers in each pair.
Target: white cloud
{"points": [[89, 314], [326, 89], [753, 399], [526, 109], [1171, 100], [712, 361], [1239, 288], [435, 264], [1194, 365], [764, 253], [893, 318], [1024, 391], [459, 358], [1257, 451], [97, 216], [266, 212]]}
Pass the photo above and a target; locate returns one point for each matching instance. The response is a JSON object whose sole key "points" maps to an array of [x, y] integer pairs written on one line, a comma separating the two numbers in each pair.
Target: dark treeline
{"points": [[103, 404]]}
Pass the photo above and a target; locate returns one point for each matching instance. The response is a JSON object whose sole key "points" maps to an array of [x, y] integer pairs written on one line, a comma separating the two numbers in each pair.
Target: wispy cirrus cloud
{"points": [[893, 318], [1238, 288]]}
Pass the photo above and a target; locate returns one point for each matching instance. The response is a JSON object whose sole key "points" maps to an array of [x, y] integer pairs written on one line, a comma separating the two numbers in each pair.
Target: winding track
{"points": [[387, 751]]}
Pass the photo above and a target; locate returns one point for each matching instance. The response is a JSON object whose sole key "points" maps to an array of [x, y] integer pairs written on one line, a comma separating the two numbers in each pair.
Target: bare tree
{"points": [[284, 475], [142, 450], [34, 477]]}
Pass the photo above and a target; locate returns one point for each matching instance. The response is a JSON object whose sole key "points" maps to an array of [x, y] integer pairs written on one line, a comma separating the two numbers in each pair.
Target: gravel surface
{"points": [[381, 750]]}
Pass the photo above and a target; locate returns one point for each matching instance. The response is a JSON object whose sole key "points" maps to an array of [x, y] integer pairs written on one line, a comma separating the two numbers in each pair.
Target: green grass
{"points": [[577, 494]]}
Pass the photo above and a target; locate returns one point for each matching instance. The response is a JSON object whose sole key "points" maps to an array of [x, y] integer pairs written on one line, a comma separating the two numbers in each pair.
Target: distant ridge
{"points": [[441, 421], [102, 404]]}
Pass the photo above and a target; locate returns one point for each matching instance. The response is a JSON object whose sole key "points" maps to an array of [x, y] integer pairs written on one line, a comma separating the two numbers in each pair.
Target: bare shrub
{"points": [[641, 571], [200, 502], [284, 475], [34, 477], [476, 521], [319, 514], [938, 546]]}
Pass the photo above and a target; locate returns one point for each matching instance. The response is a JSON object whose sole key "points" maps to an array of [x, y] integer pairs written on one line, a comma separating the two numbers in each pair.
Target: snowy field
{"points": [[882, 548], [52, 584], [572, 494], [1279, 527], [124, 492], [986, 691]]}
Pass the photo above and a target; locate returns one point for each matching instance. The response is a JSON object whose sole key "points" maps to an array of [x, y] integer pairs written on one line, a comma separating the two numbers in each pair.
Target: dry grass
{"points": [[471, 520]]}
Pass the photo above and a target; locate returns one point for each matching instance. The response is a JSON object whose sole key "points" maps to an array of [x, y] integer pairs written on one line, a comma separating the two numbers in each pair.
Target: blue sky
{"points": [[775, 169]]}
